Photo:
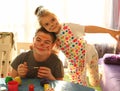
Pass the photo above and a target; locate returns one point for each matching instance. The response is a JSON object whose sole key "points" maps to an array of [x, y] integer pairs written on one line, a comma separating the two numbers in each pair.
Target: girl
{"points": [[71, 42]]}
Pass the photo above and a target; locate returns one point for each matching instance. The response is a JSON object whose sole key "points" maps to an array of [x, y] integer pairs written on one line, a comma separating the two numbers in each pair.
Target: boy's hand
{"points": [[44, 72], [22, 69]]}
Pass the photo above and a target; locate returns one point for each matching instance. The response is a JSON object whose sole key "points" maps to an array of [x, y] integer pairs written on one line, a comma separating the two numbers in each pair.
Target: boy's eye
{"points": [[38, 40], [46, 42]]}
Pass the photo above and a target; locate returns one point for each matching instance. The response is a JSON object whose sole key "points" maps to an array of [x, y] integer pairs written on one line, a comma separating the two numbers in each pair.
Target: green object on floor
{"points": [[8, 78]]}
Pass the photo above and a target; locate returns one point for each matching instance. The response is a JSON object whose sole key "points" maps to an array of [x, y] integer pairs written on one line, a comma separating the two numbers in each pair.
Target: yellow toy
{"points": [[18, 79]]}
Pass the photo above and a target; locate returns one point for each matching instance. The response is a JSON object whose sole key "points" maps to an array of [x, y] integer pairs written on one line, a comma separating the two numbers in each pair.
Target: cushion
{"points": [[114, 59]]}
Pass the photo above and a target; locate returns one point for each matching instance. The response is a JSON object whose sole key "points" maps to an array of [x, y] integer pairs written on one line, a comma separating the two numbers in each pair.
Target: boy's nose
{"points": [[51, 25], [41, 43]]}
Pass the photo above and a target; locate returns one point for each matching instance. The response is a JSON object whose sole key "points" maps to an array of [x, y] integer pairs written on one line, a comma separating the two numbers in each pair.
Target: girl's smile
{"points": [[50, 23]]}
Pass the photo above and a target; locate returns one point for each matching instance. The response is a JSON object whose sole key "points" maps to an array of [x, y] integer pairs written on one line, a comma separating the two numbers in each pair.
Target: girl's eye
{"points": [[53, 19], [46, 24]]}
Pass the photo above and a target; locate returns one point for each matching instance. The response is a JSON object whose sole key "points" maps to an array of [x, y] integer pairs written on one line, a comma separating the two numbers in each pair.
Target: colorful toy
{"points": [[31, 87], [8, 78], [44, 81], [46, 86], [18, 79], [12, 86], [50, 89]]}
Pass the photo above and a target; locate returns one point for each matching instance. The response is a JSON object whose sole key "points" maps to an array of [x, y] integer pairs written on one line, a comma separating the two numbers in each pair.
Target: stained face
{"points": [[42, 43], [50, 23]]}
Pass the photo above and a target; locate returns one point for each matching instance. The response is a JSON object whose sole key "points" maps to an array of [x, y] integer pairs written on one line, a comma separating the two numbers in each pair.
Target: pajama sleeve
{"points": [[77, 29]]}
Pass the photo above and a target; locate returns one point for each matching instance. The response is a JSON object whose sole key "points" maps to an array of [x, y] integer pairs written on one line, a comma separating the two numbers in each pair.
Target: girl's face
{"points": [[42, 43], [51, 23]]}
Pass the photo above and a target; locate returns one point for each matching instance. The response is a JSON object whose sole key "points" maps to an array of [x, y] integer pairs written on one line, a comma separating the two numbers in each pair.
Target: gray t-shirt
{"points": [[53, 62]]}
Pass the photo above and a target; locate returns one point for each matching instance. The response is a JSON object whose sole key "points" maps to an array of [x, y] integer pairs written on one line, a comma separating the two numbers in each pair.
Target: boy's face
{"points": [[50, 23], [42, 43]]}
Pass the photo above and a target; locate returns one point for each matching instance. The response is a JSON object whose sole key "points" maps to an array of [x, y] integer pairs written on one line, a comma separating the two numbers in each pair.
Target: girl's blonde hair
{"points": [[42, 12]]}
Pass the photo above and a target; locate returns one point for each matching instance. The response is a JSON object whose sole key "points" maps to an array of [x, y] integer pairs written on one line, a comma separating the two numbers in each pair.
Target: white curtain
{"points": [[18, 15], [116, 20], [119, 15]]}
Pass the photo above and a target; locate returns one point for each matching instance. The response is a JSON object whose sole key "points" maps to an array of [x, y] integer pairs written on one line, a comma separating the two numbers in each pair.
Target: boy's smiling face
{"points": [[42, 43]]}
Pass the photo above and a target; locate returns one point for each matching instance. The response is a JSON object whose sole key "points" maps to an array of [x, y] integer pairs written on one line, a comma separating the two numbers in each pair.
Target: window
{"points": [[18, 15]]}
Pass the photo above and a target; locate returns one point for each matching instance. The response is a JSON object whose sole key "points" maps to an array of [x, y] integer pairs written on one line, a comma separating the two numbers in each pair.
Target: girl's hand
{"points": [[22, 69], [115, 34], [44, 72]]}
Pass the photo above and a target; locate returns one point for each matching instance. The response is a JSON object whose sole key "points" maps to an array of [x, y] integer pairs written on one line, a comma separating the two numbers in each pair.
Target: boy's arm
{"points": [[14, 73]]}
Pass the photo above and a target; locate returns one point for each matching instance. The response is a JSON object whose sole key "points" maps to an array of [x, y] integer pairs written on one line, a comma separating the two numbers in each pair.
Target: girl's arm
{"points": [[96, 29]]}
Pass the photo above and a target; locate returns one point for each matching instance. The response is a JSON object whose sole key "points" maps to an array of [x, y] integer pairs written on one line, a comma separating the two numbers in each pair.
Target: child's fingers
{"points": [[21, 65], [25, 63]]}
